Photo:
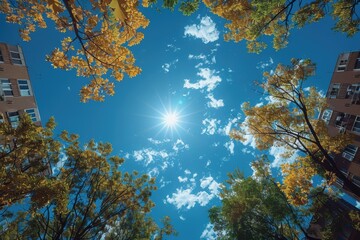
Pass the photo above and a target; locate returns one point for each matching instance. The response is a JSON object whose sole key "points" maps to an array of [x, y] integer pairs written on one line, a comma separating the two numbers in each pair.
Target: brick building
{"points": [[343, 114], [16, 93], [333, 216]]}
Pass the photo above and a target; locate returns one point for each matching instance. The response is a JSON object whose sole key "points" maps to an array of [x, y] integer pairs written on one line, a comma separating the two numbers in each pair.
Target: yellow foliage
{"points": [[289, 121], [103, 31]]}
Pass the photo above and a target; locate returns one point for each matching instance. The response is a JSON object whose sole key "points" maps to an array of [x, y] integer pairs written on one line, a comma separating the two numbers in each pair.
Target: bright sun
{"points": [[171, 119]]}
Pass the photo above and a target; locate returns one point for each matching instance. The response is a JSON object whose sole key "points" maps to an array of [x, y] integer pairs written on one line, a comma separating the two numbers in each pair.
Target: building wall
{"points": [[13, 70], [343, 99]]}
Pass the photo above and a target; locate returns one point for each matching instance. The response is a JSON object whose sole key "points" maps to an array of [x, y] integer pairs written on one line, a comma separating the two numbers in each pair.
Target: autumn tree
{"points": [[290, 121], [256, 208], [85, 195], [251, 20], [97, 37], [27, 155]]}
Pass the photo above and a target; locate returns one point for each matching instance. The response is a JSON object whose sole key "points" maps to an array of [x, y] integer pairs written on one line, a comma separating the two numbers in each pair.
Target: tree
{"points": [[250, 20], [27, 155], [85, 195], [256, 208], [137, 226], [102, 32], [289, 120], [98, 35]]}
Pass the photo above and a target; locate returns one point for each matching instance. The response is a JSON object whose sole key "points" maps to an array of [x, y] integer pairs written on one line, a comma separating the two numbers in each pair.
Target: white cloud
{"points": [[163, 183], [148, 154], [357, 205], [206, 30], [210, 80], [157, 142], [182, 179], [205, 181], [198, 57], [210, 126], [153, 172], [167, 66], [179, 145], [182, 218], [213, 102], [209, 233], [187, 171], [278, 159], [265, 64], [208, 163], [226, 130], [213, 59], [230, 147], [249, 139], [186, 198], [172, 47], [214, 188]]}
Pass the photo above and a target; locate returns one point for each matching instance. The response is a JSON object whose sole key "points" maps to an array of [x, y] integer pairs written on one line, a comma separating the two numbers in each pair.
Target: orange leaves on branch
{"points": [[101, 33], [251, 20], [289, 121]]}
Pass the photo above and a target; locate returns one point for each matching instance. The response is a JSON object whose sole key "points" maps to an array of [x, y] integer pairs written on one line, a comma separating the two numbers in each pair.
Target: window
{"points": [[24, 87], [33, 113], [14, 119], [351, 89], [356, 180], [342, 62], [357, 62], [350, 152], [15, 55], [1, 57], [326, 115], [356, 127], [334, 90], [6, 88]]}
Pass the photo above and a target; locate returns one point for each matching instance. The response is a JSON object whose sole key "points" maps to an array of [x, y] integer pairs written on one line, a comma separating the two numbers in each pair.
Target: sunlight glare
{"points": [[171, 119]]}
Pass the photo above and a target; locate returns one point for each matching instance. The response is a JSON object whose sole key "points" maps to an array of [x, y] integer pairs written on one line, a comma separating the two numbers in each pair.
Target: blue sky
{"points": [[187, 67]]}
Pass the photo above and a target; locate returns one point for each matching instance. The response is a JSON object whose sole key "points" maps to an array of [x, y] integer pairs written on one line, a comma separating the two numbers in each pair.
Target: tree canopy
{"points": [[256, 208], [290, 120], [251, 20], [98, 34], [69, 191]]}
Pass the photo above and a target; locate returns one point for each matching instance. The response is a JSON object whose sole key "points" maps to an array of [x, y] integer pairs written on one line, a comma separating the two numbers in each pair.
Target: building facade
{"points": [[343, 114], [16, 93], [333, 218]]}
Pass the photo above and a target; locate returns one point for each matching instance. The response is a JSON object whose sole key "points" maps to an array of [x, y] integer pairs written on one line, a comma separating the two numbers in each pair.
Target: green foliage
{"points": [[189, 7], [85, 197], [254, 208]]}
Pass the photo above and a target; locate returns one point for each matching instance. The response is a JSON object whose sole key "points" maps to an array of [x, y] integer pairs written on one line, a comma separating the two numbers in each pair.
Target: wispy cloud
{"points": [[147, 155], [277, 152], [166, 66], [206, 30], [179, 145], [210, 126], [209, 233], [265, 64], [188, 198], [227, 128], [230, 147], [159, 156], [209, 80], [214, 103], [172, 47]]}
